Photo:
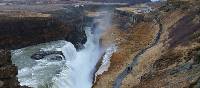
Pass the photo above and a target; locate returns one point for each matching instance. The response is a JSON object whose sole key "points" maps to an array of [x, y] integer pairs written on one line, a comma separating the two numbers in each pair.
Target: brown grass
{"points": [[128, 42]]}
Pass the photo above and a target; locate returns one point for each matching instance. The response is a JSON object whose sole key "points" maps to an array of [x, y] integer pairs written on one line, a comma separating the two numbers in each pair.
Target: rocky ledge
{"points": [[20, 28]]}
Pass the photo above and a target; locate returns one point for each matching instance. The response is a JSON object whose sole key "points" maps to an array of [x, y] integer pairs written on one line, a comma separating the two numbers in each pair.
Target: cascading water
{"points": [[81, 69], [75, 71]]}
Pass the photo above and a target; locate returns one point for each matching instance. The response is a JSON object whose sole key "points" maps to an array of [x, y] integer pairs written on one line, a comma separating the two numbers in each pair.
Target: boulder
{"points": [[56, 55]]}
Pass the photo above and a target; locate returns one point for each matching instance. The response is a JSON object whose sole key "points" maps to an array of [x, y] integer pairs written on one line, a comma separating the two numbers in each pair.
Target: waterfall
{"points": [[78, 68]]}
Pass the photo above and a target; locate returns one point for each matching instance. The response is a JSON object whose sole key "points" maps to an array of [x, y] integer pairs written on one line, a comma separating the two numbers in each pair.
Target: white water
{"points": [[106, 60], [81, 69], [75, 71], [39, 73]]}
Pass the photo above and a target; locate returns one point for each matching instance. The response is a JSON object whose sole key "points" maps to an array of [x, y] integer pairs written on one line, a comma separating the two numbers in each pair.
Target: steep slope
{"points": [[172, 62]]}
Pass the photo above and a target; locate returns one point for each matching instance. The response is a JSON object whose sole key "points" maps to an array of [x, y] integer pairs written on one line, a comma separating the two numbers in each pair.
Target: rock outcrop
{"points": [[24, 29], [42, 54], [125, 19], [8, 71], [75, 20]]}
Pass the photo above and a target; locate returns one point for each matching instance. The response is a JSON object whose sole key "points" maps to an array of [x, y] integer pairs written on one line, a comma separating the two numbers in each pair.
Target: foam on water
{"points": [[36, 73]]}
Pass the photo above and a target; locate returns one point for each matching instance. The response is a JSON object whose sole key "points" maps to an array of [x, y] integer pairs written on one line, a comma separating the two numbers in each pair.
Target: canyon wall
{"points": [[29, 29], [159, 52]]}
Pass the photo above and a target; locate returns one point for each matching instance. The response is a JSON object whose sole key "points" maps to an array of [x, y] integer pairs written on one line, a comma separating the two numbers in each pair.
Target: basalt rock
{"points": [[75, 19], [42, 54], [19, 29], [8, 71], [125, 19]]}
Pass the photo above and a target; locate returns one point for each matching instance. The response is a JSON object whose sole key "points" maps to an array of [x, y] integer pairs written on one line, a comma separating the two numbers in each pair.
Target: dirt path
{"points": [[136, 59]]}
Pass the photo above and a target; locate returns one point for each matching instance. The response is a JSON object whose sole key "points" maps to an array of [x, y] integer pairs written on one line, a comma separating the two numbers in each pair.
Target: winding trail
{"points": [[136, 59]]}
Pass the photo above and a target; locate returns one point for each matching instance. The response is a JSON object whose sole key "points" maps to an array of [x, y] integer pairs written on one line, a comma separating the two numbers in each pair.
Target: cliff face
{"points": [[162, 52], [8, 71], [24, 29], [20, 32]]}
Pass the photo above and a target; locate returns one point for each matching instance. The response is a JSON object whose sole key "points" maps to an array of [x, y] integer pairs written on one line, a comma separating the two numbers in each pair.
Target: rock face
{"points": [[43, 54], [17, 32], [75, 19], [21, 32], [8, 71], [126, 19]]}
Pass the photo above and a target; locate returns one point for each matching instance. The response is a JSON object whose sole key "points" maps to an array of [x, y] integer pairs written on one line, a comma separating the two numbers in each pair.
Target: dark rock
{"points": [[24, 87], [197, 58], [77, 40], [18, 32], [1, 84], [125, 19], [5, 58], [10, 83], [55, 57], [74, 18], [21, 32], [8, 71], [42, 54]]}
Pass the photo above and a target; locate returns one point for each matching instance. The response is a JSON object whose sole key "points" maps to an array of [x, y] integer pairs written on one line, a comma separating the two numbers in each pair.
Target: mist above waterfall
{"points": [[82, 68]]}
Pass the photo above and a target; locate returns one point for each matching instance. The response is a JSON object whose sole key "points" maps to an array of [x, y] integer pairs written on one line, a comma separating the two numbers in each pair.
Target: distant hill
{"points": [[107, 1], [121, 1]]}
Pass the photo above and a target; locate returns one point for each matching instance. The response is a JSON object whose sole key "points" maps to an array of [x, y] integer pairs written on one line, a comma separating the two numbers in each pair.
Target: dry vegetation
{"points": [[172, 63], [129, 42], [22, 14]]}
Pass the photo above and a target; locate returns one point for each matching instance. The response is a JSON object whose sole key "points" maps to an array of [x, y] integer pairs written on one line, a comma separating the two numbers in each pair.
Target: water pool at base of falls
{"points": [[75, 71]]}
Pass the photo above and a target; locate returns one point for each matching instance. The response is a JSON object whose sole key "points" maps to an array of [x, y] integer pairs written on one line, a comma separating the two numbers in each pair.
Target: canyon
{"points": [[146, 45]]}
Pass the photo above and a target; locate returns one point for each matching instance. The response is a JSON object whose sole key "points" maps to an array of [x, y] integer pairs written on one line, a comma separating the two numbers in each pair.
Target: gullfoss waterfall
{"points": [[76, 69]]}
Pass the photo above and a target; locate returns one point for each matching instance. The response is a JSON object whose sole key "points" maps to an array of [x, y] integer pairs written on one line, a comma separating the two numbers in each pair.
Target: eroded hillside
{"points": [[146, 59]]}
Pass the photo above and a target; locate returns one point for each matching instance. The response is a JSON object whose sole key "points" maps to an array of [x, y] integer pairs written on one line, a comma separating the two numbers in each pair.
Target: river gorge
{"points": [[76, 67], [100, 44]]}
